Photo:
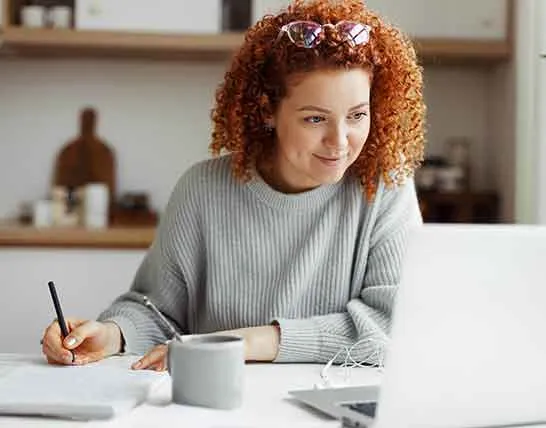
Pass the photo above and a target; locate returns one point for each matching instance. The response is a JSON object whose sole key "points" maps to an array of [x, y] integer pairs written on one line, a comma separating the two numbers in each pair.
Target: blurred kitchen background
{"points": [[105, 103]]}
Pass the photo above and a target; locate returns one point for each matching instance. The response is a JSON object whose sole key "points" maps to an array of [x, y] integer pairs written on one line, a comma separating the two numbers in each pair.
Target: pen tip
{"points": [[50, 283]]}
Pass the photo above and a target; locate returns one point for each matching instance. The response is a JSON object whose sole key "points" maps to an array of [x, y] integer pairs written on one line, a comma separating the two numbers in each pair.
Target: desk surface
{"points": [[266, 402]]}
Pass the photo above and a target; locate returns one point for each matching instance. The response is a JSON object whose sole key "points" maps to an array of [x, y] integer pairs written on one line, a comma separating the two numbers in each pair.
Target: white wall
{"points": [[86, 281], [156, 117], [457, 105]]}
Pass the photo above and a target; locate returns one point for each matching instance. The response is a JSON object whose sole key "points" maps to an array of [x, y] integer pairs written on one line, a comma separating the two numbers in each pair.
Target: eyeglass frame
{"points": [[286, 29]]}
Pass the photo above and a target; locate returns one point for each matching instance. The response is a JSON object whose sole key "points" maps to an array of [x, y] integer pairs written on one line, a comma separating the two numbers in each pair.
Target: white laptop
{"points": [[468, 341]]}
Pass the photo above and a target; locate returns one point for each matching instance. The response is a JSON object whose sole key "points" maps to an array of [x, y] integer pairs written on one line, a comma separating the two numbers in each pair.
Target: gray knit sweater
{"points": [[324, 264]]}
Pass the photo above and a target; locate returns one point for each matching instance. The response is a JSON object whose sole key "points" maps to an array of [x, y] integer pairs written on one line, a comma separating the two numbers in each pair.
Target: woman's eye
{"points": [[314, 119], [359, 116]]}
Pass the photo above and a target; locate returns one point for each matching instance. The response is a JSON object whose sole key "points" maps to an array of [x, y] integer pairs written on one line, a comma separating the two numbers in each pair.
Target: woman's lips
{"points": [[329, 160]]}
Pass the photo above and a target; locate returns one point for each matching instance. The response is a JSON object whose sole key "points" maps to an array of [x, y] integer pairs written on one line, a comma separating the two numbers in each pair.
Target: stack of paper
{"points": [[96, 391]]}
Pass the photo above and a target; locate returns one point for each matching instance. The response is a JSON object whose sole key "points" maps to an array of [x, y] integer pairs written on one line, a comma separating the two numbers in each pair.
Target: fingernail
{"points": [[70, 341], [137, 365], [68, 357]]}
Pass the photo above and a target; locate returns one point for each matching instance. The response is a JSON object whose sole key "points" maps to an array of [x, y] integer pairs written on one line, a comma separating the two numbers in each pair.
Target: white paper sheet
{"points": [[95, 391]]}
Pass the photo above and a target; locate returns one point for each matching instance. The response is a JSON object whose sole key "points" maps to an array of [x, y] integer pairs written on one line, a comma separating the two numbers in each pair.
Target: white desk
{"points": [[266, 402]]}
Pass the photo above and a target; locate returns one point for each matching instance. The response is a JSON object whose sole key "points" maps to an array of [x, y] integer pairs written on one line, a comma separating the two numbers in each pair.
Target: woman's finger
{"points": [[52, 339], [50, 356], [160, 366], [59, 356], [152, 358], [81, 332]]}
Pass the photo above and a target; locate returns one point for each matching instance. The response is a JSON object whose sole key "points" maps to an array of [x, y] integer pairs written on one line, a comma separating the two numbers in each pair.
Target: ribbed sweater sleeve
{"points": [[366, 323]]}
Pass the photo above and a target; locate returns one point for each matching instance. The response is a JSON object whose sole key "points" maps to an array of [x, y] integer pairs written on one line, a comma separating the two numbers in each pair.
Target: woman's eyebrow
{"points": [[364, 104], [314, 108], [324, 110]]}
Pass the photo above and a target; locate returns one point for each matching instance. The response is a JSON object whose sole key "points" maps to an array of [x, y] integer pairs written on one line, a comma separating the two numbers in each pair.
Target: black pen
{"points": [[58, 310]]}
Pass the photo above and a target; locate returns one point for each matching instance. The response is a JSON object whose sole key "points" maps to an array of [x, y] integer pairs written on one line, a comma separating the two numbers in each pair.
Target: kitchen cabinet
{"points": [[461, 31], [448, 19], [163, 16], [438, 19]]}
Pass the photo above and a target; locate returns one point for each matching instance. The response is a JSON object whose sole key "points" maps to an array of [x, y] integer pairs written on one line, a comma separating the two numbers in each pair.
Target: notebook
{"points": [[101, 390]]}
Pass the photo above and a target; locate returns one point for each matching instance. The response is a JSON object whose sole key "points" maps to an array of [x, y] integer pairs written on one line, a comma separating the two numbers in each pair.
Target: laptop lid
{"points": [[468, 342]]}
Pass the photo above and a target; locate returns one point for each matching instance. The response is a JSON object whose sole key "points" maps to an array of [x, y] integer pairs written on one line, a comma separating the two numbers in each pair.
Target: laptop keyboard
{"points": [[367, 408]]}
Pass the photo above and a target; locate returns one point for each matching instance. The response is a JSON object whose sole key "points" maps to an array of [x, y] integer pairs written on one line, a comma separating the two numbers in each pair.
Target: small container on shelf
{"points": [[34, 16], [96, 203], [46, 14], [64, 207], [60, 16]]}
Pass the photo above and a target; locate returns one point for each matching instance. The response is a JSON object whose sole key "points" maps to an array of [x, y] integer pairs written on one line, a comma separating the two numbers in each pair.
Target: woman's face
{"points": [[321, 126]]}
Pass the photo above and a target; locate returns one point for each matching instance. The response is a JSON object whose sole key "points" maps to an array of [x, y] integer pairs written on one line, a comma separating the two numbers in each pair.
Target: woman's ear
{"points": [[267, 112], [269, 123]]}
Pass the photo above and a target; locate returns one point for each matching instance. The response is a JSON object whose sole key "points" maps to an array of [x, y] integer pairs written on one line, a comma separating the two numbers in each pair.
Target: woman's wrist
{"points": [[262, 343], [115, 339]]}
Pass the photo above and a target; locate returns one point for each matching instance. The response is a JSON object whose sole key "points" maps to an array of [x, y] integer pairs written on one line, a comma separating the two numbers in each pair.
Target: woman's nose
{"points": [[337, 140]]}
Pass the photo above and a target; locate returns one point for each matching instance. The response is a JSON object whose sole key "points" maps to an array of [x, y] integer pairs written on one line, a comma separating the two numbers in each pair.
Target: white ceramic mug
{"points": [[207, 371]]}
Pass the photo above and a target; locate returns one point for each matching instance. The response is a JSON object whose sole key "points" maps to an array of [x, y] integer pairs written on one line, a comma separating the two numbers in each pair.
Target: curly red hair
{"points": [[257, 81]]}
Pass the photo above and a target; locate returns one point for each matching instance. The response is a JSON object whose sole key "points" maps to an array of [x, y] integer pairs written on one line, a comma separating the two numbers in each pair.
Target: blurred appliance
{"points": [[165, 16]]}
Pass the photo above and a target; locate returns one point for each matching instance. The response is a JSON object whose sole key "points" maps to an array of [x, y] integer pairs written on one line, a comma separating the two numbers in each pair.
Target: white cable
{"points": [[376, 359]]}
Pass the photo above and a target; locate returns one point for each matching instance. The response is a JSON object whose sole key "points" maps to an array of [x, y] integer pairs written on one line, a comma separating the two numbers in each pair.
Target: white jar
{"points": [[96, 200], [60, 17], [34, 16]]}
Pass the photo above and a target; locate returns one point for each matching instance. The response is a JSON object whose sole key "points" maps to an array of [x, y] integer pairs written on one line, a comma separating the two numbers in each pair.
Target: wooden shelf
{"points": [[115, 238], [448, 51], [71, 43]]}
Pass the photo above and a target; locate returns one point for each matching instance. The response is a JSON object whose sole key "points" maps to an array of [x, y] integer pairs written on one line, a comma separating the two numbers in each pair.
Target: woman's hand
{"points": [[261, 344], [88, 341], [155, 359]]}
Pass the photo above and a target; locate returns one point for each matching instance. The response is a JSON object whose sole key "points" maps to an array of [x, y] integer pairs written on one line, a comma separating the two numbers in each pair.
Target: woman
{"points": [[294, 238]]}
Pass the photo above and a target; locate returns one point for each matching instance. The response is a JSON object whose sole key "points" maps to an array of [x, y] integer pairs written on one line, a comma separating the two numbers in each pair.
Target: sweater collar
{"points": [[291, 201]]}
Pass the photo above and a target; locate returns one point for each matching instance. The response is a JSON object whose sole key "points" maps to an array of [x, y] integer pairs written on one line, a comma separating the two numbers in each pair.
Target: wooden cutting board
{"points": [[87, 159]]}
